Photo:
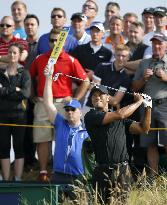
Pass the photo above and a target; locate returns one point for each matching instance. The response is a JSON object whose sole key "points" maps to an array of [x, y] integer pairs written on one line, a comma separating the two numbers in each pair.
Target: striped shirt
{"points": [[5, 45]]}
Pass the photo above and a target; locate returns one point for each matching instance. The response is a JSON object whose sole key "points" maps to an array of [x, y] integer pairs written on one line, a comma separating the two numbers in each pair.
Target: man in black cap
{"points": [[107, 130], [148, 19], [78, 23], [160, 20], [151, 76]]}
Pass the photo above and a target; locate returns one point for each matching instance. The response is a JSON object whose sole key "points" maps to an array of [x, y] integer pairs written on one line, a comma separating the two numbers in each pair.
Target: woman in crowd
{"points": [[15, 86]]}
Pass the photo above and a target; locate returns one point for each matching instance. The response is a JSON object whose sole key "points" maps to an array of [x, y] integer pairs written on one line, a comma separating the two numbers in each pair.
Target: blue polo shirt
{"points": [[67, 155], [43, 44]]}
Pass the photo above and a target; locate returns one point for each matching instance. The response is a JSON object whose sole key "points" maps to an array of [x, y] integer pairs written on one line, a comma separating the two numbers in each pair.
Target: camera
{"points": [[156, 64]]}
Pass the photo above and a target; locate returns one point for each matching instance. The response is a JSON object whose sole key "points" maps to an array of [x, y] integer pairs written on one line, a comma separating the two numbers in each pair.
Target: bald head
{"points": [[7, 26], [8, 18]]}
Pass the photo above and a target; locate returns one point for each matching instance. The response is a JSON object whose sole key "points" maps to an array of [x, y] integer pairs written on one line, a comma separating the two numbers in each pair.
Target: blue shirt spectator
{"points": [[43, 44], [69, 140]]}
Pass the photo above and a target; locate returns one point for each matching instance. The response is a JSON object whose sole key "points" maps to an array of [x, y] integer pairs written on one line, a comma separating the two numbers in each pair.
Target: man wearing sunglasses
{"points": [[90, 9], [7, 27], [58, 20], [62, 92], [70, 135]]}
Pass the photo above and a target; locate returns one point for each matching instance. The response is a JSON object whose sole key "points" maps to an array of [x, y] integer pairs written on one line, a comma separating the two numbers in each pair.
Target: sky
{"points": [[42, 8]]}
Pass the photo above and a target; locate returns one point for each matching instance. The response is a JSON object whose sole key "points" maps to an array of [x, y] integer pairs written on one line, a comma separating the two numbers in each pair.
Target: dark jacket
{"points": [[139, 52], [12, 101], [88, 59]]}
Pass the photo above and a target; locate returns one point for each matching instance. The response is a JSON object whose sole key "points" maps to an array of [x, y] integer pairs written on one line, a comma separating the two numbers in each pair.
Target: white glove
{"points": [[147, 102]]}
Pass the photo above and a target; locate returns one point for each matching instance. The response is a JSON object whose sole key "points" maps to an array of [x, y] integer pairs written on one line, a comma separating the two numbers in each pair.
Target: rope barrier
{"points": [[50, 126], [19, 125]]}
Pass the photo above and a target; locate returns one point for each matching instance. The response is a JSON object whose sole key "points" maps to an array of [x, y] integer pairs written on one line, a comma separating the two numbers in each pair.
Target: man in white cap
{"points": [[93, 53], [78, 23]]}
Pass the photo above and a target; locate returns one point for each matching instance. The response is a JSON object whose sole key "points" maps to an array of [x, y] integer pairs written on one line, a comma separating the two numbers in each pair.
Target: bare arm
{"points": [[48, 96], [123, 112], [138, 84], [144, 125], [116, 99], [132, 65], [81, 90]]}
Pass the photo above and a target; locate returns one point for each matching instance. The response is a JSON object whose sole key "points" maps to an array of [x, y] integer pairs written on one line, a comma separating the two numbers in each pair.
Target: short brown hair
{"points": [[18, 45], [96, 6], [116, 17], [59, 9], [122, 47], [138, 24], [112, 3], [130, 14], [19, 2]]}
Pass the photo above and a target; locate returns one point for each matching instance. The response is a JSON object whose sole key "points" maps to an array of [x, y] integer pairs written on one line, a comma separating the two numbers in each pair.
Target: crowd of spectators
{"points": [[121, 53]]}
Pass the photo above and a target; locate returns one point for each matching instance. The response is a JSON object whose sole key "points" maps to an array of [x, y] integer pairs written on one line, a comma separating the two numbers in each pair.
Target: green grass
{"points": [[143, 192]]}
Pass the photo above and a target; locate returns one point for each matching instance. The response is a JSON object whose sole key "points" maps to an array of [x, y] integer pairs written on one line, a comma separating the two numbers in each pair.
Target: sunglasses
{"points": [[52, 40], [68, 109], [5, 25], [88, 6], [56, 15]]}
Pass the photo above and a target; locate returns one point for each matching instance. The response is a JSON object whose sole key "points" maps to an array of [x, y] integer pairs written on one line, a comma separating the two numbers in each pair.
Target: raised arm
{"points": [[124, 112], [48, 96], [144, 125]]}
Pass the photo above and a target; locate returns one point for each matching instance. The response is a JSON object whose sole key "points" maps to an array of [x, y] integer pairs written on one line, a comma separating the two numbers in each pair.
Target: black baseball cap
{"points": [[80, 16], [159, 37], [160, 11], [148, 10], [100, 88]]}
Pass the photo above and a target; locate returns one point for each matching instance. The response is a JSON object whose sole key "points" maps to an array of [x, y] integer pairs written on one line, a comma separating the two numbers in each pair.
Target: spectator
{"points": [[160, 19], [128, 19], [112, 9], [15, 86], [31, 24], [6, 30], [92, 53], [113, 74], [107, 131], [115, 37], [148, 19], [90, 9], [78, 22], [151, 76], [70, 135], [138, 50], [58, 20], [62, 92], [19, 12]]}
